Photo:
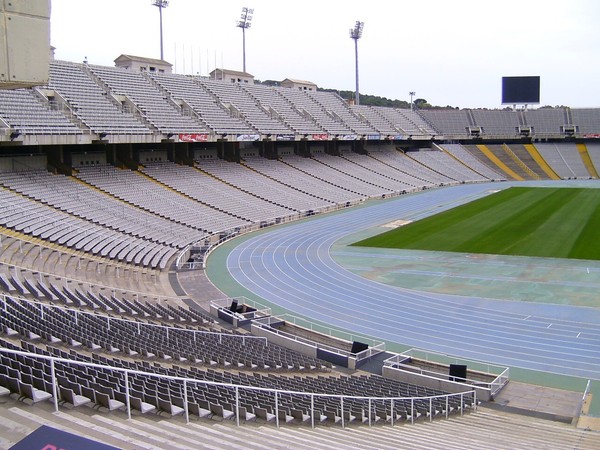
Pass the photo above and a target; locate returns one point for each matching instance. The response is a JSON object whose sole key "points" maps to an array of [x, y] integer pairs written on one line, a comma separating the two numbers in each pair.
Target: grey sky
{"points": [[449, 52]]}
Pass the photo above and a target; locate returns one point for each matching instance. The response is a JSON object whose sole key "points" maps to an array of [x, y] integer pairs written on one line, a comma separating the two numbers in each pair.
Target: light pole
{"points": [[412, 94], [161, 4], [244, 23], [356, 34]]}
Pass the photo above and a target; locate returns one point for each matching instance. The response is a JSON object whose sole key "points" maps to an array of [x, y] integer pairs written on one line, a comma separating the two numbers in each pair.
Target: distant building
{"points": [[301, 85], [141, 64], [232, 76]]}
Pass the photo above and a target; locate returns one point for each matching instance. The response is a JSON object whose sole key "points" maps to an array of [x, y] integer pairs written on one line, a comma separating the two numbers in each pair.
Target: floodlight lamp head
{"points": [[356, 32], [245, 18], [160, 3]]}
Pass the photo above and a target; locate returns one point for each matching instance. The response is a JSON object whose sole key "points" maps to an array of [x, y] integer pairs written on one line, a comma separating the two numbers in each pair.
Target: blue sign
{"points": [[285, 137], [47, 438]]}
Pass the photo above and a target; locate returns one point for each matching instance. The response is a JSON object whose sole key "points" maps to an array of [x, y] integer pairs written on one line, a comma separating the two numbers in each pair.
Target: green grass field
{"points": [[545, 222]]}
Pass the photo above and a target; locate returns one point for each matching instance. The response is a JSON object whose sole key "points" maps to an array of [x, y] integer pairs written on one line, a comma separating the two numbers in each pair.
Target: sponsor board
{"points": [[193, 137], [285, 137], [247, 137]]}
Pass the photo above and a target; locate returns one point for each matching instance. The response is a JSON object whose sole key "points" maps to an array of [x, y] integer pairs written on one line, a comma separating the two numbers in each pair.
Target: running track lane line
{"points": [[292, 268]]}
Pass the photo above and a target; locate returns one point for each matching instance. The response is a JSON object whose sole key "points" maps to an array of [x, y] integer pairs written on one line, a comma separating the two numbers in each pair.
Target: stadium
{"points": [[206, 262]]}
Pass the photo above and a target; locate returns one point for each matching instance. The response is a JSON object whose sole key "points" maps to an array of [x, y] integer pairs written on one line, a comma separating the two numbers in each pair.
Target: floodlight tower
{"points": [[161, 4], [356, 34], [412, 94], [244, 23]]}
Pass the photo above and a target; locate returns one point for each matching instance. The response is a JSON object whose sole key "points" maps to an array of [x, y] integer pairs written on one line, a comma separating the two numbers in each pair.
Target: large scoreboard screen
{"points": [[521, 90]]}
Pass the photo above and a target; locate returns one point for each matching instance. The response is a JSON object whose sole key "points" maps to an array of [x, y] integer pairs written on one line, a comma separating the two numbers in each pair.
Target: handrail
{"points": [[494, 386], [139, 324], [313, 326], [583, 397], [275, 392]]}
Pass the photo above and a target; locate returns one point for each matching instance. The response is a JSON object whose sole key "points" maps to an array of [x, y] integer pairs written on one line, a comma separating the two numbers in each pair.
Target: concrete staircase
{"points": [[486, 428]]}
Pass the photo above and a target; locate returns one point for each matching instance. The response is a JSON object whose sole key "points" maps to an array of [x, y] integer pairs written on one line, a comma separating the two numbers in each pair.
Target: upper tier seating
{"points": [[375, 118], [448, 122], [256, 115], [272, 100], [209, 110], [154, 106], [497, 123], [546, 121], [25, 114], [587, 120], [337, 107], [307, 105], [89, 102]]}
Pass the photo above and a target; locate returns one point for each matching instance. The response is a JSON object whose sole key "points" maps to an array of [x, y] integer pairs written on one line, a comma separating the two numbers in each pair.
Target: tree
{"points": [[421, 103]]}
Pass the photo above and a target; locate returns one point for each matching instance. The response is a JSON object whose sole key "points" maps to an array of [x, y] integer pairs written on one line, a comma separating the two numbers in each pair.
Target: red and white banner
{"points": [[320, 137], [193, 137]]}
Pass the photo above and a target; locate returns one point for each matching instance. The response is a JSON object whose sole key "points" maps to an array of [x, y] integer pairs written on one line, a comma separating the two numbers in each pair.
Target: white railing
{"points": [[138, 325], [258, 310], [501, 373], [329, 331], [265, 323], [584, 397], [465, 399]]}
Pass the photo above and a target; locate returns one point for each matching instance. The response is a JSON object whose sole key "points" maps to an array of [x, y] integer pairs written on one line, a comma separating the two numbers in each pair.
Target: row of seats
{"points": [[176, 104], [214, 393], [56, 290], [40, 220], [96, 332], [146, 217]]}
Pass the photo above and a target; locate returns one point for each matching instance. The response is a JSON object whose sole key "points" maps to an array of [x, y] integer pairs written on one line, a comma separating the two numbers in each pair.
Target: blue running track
{"points": [[292, 267]]}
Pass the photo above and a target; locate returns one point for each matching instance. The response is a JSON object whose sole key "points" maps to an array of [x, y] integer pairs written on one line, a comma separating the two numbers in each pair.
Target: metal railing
{"points": [[584, 397], [258, 310], [375, 347], [501, 373], [136, 323], [426, 404]]}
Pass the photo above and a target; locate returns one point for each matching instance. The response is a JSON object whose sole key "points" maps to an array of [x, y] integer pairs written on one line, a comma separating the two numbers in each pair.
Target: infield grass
{"points": [[544, 222]]}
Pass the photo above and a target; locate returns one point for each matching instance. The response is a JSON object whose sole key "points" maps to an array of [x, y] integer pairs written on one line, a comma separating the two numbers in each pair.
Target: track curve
{"points": [[292, 267]]}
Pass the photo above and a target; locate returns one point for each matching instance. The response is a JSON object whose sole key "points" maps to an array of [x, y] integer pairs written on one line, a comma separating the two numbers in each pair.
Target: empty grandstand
{"points": [[114, 184]]}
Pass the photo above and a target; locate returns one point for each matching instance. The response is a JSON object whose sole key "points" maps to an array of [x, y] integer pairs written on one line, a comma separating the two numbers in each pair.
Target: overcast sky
{"points": [[449, 52]]}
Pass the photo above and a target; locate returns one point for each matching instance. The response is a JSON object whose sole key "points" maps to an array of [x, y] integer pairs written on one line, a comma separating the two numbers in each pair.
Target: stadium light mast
{"points": [[412, 94], [161, 4], [244, 23], [356, 34]]}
